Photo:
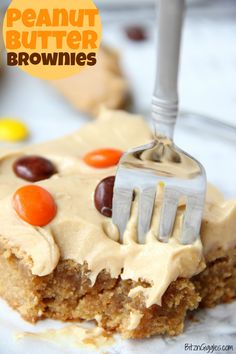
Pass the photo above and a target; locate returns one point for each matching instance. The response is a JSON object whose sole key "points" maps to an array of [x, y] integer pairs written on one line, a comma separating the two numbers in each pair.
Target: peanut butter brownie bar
{"points": [[60, 255]]}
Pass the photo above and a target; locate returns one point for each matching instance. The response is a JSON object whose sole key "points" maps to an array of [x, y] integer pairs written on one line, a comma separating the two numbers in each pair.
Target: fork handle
{"points": [[165, 97]]}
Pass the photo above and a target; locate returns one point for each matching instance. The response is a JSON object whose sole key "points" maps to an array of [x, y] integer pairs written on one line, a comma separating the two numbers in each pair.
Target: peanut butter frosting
{"points": [[79, 232]]}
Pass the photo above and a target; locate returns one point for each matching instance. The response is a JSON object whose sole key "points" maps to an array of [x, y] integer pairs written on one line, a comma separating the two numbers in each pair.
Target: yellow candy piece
{"points": [[13, 130]]}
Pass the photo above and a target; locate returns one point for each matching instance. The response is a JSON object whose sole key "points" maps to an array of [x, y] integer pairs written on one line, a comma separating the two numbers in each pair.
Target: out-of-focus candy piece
{"points": [[35, 205], [136, 33], [12, 130]]}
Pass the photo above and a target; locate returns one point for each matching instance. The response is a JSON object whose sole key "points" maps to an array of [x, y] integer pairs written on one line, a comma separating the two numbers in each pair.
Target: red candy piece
{"points": [[34, 205], [103, 158]]}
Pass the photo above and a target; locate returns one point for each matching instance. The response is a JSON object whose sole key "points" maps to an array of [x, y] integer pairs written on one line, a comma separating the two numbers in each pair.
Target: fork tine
{"points": [[121, 208], [168, 213], [192, 219], [146, 203]]}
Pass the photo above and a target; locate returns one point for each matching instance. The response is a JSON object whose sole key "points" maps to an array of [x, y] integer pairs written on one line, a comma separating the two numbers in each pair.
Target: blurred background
{"points": [[207, 126]]}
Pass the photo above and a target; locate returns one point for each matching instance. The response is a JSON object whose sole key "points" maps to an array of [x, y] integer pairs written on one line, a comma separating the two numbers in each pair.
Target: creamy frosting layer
{"points": [[81, 233]]}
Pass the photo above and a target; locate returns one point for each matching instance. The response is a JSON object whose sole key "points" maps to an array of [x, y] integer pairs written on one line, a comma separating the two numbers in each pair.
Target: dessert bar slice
{"points": [[70, 265]]}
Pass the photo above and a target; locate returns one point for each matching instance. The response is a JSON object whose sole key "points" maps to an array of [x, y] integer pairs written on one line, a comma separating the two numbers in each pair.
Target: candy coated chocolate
{"points": [[12, 130], [103, 196], [33, 168], [136, 33]]}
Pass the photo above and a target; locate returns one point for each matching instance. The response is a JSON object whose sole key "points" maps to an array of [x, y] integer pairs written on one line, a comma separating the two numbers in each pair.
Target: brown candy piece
{"points": [[103, 196], [33, 168], [136, 33]]}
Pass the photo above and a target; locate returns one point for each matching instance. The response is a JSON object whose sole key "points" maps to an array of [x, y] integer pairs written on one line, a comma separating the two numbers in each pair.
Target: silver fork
{"points": [[142, 169]]}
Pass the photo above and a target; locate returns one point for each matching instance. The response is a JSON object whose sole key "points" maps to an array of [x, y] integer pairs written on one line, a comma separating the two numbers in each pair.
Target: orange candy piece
{"points": [[34, 205], [103, 158]]}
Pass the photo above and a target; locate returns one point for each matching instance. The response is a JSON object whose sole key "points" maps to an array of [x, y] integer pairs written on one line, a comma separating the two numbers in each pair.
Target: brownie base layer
{"points": [[67, 295], [217, 283]]}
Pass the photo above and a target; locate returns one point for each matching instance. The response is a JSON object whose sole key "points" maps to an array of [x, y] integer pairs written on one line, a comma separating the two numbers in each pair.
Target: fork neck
{"points": [[165, 96], [164, 115]]}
